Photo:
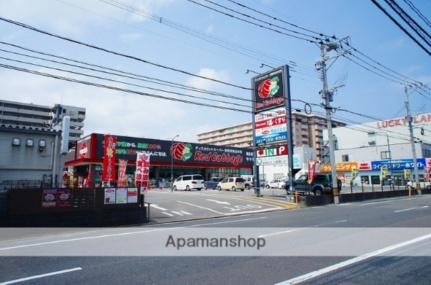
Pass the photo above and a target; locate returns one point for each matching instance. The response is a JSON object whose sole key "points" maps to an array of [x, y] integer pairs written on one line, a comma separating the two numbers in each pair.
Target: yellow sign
{"points": [[383, 171], [354, 172], [340, 166]]}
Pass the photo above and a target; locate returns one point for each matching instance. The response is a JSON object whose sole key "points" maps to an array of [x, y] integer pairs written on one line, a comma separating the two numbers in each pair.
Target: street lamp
{"points": [[172, 163]]}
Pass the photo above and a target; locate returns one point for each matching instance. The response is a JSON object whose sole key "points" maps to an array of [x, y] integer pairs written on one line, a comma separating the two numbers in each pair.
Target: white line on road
{"points": [[178, 213], [40, 276], [410, 209], [228, 222], [351, 261], [279, 233], [186, 213], [341, 221], [218, 202], [158, 207], [253, 211], [167, 214], [83, 238], [201, 207]]}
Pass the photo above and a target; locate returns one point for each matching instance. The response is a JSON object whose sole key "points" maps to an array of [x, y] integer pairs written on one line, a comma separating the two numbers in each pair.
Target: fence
{"points": [[72, 207]]}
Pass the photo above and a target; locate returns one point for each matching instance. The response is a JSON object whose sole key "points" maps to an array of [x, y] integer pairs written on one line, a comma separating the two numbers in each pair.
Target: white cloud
{"points": [[207, 72]]}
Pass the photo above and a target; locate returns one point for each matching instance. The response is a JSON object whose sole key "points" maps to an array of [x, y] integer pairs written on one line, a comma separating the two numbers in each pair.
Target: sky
{"points": [[119, 113]]}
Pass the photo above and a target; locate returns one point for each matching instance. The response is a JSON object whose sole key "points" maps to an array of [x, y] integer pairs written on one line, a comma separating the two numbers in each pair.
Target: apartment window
{"points": [[345, 158], [385, 154], [29, 142], [16, 142]]}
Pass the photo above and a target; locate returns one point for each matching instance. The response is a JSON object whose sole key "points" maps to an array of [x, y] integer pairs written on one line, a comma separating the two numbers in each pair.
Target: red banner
{"points": [[109, 158], [122, 166], [142, 174], [311, 170]]}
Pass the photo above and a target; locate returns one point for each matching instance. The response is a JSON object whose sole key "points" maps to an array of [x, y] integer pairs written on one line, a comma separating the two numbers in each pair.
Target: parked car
{"points": [[213, 183], [322, 184], [248, 181], [278, 183], [232, 183], [189, 182]]}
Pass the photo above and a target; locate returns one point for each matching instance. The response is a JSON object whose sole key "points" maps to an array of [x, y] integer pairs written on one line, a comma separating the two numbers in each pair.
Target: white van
{"points": [[189, 182]]}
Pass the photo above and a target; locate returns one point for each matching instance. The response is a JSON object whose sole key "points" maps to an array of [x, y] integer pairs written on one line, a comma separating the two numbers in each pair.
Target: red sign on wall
{"points": [[122, 166], [109, 158]]}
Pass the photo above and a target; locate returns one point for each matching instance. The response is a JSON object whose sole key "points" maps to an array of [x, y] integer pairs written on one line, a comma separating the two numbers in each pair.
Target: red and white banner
{"points": [[122, 166], [109, 158], [142, 174], [312, 166]]}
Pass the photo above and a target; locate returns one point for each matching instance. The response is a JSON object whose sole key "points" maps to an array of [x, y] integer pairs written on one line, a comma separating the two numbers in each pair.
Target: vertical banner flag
{"points": [[142, 174], [311, 170], [122, 166], [109, 158]]}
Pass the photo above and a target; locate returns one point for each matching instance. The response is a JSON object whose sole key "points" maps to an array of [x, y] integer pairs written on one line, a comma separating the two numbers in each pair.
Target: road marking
{"points": [[218, 202], [317, 273], [83, 238], [228, 222], [410, 209], [167, 214], [201, 207], [253, 211], [41, 276], [341, 221], [278, 233], [158, 207], [186, 213], [178, 213]]}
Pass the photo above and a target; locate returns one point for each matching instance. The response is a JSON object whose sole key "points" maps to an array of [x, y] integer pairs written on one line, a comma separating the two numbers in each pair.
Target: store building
{"points": [[307, 131], [184, 158]]}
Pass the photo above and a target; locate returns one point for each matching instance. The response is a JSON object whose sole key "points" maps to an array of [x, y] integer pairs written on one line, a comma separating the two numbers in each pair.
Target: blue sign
{"points": [[398, 164], [272, 138]]}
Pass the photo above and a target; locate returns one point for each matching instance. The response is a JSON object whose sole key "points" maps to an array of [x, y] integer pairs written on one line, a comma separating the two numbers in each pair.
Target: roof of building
{"points": [[25, 129]]}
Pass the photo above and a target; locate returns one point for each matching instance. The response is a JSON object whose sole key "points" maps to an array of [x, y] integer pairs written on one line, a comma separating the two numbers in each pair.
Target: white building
{"points": [[29, 115], [379, 140]]}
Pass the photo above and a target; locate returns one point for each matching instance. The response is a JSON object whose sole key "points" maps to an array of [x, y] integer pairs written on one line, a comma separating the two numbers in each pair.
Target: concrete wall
{"points": [[25, 162]]}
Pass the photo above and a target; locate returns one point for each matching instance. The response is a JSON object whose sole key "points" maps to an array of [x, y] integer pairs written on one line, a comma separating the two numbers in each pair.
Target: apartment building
{"points": [[40, 116], [307, 130]]}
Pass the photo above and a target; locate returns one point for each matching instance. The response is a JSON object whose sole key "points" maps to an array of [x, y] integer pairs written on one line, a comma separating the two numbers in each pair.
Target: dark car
{"points": [[321, 184], [212, 183]]}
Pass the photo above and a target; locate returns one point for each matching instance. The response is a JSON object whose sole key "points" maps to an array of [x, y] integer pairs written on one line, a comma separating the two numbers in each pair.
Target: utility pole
{"points": [[412, 141], [327, 97]]}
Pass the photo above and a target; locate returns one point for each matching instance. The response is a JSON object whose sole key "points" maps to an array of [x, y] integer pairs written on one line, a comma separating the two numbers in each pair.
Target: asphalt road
{"points": [[364, 269]]}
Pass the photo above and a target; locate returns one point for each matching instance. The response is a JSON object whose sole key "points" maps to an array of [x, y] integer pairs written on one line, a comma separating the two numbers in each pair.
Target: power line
{"points": [[262, 21], [410, 21], [252, 23], [123, 82], [20, 24], [122, 73], [234, 47], [117, 88], [280, 20], [400, 26], [418, 12]]}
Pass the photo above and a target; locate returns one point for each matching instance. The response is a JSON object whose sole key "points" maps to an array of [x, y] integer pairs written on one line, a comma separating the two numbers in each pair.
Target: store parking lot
{"points": [[167, 206]]}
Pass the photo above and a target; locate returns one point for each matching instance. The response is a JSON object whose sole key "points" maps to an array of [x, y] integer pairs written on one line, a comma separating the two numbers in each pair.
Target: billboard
{"points": [[269, 91], [397, 164], [271, 126]]}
